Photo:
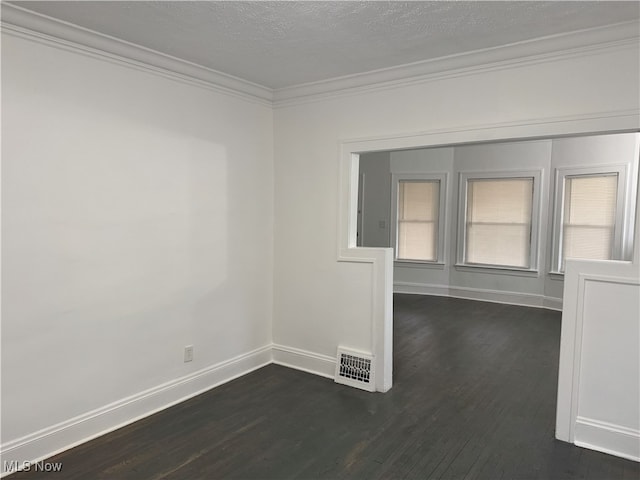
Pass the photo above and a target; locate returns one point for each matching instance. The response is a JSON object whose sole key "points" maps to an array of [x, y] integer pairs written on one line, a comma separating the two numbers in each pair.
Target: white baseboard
{"points": [[481, 294], [607, 438], [421, 289], [63, 436], [304, 360], [552, 303]]}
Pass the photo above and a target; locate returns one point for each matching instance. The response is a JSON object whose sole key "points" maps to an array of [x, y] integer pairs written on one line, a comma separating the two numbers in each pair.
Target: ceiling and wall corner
{"points": [[291, 52]]}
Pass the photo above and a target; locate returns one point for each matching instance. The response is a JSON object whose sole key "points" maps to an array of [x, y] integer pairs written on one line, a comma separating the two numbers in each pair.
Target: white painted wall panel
{"points": [[137, 218], [610, 360], [599, 374]]}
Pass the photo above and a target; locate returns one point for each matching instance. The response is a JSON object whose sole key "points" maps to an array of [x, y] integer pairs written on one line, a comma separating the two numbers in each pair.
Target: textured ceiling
{"points": [[280, 44]]}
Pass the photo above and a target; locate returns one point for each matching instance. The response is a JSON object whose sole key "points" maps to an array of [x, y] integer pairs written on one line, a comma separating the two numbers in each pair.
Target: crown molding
{"points": [[566, 45], [24, 23]]}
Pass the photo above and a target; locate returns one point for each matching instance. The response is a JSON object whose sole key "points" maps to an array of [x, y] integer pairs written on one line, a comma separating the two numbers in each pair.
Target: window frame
{"points": [[620, 241], [464, 177], [441, 177]]}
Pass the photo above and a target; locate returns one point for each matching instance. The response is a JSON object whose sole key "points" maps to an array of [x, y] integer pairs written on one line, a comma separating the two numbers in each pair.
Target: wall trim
{"points": [[480, 294], [525, 129], [299, 359], [552, 303], [49, 441], [421, 289], [544, 49], [620, 441], [24, 23]]}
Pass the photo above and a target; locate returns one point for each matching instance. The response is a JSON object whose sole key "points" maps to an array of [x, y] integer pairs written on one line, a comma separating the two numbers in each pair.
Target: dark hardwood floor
{"points": [[474, 397]]}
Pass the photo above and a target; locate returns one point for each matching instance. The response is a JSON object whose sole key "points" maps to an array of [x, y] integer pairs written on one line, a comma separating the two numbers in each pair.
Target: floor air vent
{"points": [[355, 369]]}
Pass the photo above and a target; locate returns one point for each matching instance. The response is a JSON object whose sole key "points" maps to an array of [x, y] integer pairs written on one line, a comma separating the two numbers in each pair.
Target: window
{"points": [[498, 220], [589, 217], [419, 226], [418, 219], [589, 214]]}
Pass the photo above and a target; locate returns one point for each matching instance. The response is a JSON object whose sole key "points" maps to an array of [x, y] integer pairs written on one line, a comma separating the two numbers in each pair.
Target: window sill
{"points": [[418, 264], [556, 275], [497, 270]]}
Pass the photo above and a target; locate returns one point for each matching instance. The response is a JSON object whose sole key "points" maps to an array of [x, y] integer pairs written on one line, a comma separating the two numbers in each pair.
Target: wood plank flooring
{"points": [[474, 397]]}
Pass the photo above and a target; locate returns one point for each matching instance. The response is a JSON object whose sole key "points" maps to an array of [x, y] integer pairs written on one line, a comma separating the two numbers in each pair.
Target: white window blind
{"points": [[498, 221], [589, 217], [418, 207]]}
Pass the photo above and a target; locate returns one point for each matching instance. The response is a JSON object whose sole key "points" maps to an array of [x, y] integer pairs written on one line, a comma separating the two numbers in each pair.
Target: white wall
{"points": [[376, 194], [599, 377], [137, 218], [320, 303]]}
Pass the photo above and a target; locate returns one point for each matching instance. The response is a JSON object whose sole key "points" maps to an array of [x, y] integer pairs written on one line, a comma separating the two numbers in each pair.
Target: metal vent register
{"points": [[355, 369]]}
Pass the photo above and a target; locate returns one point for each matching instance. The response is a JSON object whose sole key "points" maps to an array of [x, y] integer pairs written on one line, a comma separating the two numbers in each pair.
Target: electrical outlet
{"points": [[188, 353]]}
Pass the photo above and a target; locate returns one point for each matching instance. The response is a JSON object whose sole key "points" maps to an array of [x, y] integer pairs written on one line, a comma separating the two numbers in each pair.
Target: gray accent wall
{"points": [[540, 288], [375, 191]]}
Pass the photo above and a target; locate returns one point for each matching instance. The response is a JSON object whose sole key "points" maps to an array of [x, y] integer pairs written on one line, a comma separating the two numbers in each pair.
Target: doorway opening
{"points": [[538, 280]]}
